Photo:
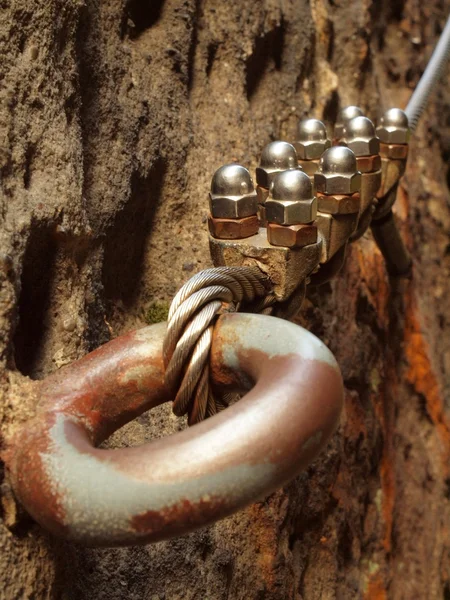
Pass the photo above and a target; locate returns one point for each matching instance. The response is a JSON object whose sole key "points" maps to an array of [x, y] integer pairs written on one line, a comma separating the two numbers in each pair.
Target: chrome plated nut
{"points": [[359, 135], [232, 195], [291, 236], [291, 212], [339, 204], [233, 229], [344, 115], [312, 139], [291, 200], [276, 157], [366, 164], [335, 231], [394, 151], [337, 172], [394, 127]]}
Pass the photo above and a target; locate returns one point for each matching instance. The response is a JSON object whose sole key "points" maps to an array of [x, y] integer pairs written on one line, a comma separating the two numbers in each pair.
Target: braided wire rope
{"points": [[188, 339], [432, 74]]}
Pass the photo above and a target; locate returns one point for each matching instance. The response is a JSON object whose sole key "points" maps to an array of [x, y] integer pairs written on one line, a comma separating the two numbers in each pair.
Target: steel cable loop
{"points": [[187, 343], [201, 281], [195, 367], [250, 280], [186, 310]]}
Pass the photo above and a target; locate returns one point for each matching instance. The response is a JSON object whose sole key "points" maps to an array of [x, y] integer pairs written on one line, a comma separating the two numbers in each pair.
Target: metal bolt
{"points": [[359, 135], [276, 157], [232, 193], [345, 114], [312, 139], [393, 127], [291, 200], [338, 173]]}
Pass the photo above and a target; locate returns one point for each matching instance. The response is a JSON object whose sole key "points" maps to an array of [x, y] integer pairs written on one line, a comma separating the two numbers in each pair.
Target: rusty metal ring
{"points": [[173, 485]]}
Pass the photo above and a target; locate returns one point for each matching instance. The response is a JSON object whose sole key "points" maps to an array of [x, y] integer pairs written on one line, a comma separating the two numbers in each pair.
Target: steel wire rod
{"points": [[433, 71]]}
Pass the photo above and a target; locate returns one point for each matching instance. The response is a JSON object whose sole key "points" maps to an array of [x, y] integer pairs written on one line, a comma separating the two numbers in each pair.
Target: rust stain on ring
{"points": [[188, 480]]}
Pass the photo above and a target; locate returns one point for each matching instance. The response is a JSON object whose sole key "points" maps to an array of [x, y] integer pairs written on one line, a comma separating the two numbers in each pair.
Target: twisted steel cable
{"points": [[431, 75], [190, 327]]}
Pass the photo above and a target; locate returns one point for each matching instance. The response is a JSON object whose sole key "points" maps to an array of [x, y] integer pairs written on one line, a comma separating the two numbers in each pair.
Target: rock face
{"points": [[114, 116]]}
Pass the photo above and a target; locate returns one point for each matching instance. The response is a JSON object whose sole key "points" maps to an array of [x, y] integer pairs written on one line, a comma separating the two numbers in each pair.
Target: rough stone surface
{"points": [[113, 117]]}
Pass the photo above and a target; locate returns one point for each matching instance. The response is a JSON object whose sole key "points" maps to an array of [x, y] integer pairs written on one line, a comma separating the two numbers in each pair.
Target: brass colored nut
{"points": [[345, 114], [366, 164], [262, 194], [359, 135], [291, 200], [276, 157], [232, 193], [312, 139], [233, 229], [291, 236], [337, 173], [339, 204], [394, 151], [393, 127]]}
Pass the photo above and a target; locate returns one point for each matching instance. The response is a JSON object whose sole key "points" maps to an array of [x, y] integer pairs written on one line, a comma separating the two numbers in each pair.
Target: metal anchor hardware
{"points": [[176, 484], [269, 244]]}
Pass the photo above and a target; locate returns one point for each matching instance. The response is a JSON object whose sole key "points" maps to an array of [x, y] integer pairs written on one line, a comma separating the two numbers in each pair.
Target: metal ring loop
{"points": [[188, 480]]}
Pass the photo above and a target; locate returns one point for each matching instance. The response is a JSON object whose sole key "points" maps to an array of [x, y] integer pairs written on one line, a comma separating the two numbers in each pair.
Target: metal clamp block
{"points": [[335, 231], [286, 267]]}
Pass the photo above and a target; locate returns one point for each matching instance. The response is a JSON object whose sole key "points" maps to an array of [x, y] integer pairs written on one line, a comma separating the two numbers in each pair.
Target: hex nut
{"points": [[366, 164], [394, 151], [339, 204], [359, 135], [312, 139], [344, 115], [232, 195], [233, 229], [292, 236], [291, 212], [394, 127], [337, 172], [291, 200], [276, 157]]}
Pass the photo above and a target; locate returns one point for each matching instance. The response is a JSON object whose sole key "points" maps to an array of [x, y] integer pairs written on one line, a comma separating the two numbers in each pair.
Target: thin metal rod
{"points": [[429, 78]]}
